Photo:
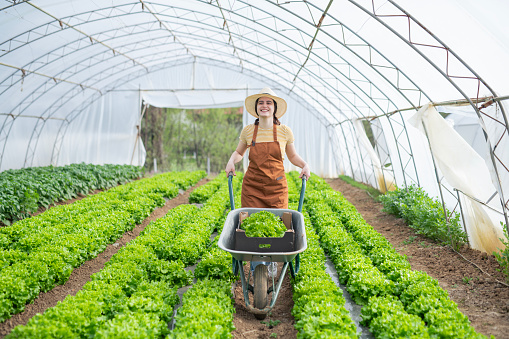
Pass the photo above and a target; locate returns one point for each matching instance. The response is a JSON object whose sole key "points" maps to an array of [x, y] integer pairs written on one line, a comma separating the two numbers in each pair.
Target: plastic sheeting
{"points": [[466, 171], [209, 86], [384, 179]]}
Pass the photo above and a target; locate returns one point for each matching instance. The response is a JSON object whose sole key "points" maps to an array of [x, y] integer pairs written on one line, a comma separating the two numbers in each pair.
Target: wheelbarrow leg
{"points": [[297, 266], [235, 267], [245, 287], [275, 293]]}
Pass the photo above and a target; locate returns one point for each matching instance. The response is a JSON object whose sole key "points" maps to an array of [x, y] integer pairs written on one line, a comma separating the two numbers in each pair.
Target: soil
{"points": [[478, 295], [279, 321], [81, 275]]}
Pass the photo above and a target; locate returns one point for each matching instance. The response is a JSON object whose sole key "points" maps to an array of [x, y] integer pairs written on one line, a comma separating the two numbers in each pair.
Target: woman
{"points": [[264, 184]]}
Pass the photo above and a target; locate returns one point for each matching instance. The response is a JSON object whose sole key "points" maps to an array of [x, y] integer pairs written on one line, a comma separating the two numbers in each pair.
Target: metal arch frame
{"points": [[363, 162], [65, 124], [372, 66], [395, 86], [214, 27], [98, 53], [124, 62], [445, 73], [353, 92]]}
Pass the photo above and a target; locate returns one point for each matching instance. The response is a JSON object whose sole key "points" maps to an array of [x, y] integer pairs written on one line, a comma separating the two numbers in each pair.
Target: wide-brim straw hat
{"points": [[250, 102]]}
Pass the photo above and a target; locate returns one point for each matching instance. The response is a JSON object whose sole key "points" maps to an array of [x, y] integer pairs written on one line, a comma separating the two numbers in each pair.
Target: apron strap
{"points": [[255, 133]]}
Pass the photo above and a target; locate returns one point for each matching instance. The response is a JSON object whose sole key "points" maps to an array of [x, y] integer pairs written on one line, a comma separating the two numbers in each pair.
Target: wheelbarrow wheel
{"points": [[260, 289]]}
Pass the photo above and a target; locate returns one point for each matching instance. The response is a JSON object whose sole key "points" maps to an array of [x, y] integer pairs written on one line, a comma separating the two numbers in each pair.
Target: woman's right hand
{"points": [[230, 167]]}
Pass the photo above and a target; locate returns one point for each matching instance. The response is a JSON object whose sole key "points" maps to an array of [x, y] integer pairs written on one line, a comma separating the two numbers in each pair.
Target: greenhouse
{"points": [[395, 95]]}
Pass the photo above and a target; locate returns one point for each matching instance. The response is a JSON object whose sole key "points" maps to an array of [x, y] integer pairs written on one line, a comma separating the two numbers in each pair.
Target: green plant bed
{"points": [[425, 215]]}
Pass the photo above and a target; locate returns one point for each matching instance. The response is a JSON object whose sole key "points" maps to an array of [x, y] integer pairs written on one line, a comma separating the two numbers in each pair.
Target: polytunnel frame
{"points": [[372, 66], [411, 44], [33, 148], [445, 73], [161, 24], [176, 63]]}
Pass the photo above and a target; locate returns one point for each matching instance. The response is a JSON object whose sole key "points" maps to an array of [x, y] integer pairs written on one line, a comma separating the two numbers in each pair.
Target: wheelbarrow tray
{"points": [[227, 240]]}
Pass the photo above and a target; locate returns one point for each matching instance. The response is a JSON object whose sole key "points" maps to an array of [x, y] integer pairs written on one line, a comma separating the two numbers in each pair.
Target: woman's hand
{"points": [[305, 171], [230, 167], [235, 158]]}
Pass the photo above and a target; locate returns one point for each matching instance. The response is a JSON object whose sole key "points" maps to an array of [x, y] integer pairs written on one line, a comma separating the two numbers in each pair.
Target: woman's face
{"points": [[265, 107]]}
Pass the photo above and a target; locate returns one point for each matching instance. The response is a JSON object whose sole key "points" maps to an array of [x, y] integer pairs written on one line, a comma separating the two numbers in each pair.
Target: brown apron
{"points": [[264, 184]]}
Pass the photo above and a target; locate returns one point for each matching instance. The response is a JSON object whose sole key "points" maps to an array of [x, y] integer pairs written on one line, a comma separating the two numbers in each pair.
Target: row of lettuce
{"points": [[40, 252], [23, 191], [207, 309], [319, 306], [397, 302], [134, 295]]}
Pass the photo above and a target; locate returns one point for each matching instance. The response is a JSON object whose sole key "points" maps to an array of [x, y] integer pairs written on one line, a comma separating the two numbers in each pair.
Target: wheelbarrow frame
{"points": [[227, 243]]}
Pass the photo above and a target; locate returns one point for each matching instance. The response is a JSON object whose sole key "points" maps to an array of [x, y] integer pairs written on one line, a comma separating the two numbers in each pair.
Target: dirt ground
{"points": [[278, 324], [81, 275], [479, 296]]}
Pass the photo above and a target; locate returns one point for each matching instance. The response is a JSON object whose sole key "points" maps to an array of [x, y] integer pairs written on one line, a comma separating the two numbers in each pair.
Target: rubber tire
{"points": [[260, 287], [260, 316]]}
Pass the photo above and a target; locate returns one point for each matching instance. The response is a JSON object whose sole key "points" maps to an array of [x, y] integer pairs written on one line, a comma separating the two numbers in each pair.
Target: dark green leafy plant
{"points": [[263, 224], [23, 191], [425, 215]]}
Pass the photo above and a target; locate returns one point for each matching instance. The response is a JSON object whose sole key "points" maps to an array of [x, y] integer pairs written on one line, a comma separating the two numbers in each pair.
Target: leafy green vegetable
{"points": [[398, 302], [23, 191], [207, 311], [425, 215], [263, 224]]}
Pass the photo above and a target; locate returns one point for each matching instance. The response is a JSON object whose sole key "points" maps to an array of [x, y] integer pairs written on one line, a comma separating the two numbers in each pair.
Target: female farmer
{"points": [[264, 184]]}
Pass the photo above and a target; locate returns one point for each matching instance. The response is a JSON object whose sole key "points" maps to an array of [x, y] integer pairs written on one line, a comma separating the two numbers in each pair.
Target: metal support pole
{"points": [[439, 186], [462, 217]]}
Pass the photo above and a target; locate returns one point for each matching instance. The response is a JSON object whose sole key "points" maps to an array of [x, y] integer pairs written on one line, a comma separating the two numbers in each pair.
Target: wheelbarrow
{"points": [[284, 250]]}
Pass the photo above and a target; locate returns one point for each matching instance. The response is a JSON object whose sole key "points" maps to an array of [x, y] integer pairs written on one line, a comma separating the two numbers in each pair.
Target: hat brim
{"points": [[250, 104]]}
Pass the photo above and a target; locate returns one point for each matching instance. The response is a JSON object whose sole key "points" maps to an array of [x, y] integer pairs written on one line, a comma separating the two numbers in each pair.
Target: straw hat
{"points": [[265, 92]]}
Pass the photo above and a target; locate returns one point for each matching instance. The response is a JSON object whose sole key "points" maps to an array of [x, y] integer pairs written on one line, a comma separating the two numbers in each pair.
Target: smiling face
{"points": [[265, 107]]}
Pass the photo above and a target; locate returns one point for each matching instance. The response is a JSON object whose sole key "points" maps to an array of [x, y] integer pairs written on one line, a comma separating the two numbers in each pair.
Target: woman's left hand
{"points": [[305, 171]]}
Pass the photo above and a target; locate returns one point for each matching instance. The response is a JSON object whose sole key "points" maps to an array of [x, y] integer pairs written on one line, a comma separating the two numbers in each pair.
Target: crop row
{"points": [[319, 308], [204, 192], [207, 310], [137, 286], [23, 191], [425, 215], [39, 252], [398, 302]]}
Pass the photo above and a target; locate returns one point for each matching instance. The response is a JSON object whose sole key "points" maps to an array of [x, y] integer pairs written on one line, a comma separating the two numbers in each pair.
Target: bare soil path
{"points": [[81, 275], [278, 324], [479, 296]]}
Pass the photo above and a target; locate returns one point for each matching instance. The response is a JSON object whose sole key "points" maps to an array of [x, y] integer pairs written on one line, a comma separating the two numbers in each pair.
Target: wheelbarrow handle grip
{"points": [[302, 190], [230, 188]]}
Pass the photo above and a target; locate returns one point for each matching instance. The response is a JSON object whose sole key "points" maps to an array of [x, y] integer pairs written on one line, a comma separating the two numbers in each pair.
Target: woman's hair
{"points": [[276, 120]]}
